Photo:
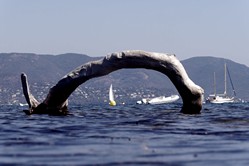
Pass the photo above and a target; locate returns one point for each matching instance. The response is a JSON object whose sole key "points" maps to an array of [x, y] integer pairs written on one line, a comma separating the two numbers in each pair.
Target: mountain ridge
{"points": [[46, 70]]}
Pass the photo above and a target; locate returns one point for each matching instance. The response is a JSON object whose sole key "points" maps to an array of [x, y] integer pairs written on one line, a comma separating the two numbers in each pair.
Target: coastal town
{"points": [[83, 94]]}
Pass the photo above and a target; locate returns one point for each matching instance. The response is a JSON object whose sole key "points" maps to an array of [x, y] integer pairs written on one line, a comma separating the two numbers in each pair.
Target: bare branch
{"points": [[167, 64]]}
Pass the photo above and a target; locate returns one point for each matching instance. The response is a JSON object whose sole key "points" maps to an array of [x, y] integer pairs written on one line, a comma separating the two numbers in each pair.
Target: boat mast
{"points": [[225, 80], [234, 92], [214, 84]]}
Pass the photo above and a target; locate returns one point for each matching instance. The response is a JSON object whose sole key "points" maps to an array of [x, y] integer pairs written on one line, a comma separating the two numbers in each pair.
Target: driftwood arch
{"points": [[56, 101]]}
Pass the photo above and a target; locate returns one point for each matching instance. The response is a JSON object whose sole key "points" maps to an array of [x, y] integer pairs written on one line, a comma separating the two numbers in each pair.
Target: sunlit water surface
{"points": [[126, 135]]}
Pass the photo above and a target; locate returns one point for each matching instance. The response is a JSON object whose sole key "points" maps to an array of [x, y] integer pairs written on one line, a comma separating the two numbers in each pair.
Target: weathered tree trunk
{"points": [[56, 100]]}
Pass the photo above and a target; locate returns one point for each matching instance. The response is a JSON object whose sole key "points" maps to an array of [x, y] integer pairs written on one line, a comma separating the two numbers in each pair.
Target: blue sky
{"points": [[186, 28]]}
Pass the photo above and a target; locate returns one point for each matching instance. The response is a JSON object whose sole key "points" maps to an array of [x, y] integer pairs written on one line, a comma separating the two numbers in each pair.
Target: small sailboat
{"points": [[221, 98], [111, 97]]}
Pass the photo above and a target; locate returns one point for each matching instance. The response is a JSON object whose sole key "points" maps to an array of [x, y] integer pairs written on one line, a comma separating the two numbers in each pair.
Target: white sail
{"points": [[111, 96]]}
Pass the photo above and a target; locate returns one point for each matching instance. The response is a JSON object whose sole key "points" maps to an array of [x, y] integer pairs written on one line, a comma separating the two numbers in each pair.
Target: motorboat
{"points": [[159, 100]]}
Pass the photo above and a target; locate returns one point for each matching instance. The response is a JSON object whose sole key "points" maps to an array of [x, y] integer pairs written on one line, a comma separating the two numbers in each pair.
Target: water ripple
{"points": [[126, 135]]}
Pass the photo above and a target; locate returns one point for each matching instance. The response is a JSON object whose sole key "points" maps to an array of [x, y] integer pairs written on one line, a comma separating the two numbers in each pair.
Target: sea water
{"points": [[126, 135]]}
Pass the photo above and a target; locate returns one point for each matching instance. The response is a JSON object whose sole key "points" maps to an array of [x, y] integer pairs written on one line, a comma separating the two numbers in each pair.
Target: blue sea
{"points": [[128, 134]]}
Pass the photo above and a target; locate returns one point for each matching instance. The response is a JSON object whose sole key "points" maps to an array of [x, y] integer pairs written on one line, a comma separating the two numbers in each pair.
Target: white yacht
{"points": [[221, 98], [159, 100]]}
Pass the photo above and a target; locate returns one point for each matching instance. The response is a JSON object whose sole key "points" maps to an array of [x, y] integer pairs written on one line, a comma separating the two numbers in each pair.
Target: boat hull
{"points": [[163, 99], [220, 100]]}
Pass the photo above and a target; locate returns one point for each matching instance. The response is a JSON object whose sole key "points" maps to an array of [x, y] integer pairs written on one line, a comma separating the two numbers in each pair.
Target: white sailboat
{"points": [[111, 97], [221, 98]]}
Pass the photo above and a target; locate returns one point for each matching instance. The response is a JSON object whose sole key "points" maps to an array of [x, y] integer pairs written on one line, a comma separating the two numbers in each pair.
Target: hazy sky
{"points": [[186, 28]]}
